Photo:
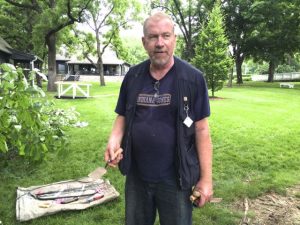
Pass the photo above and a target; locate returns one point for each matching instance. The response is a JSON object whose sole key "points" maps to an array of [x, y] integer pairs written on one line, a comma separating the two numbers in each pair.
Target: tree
{"points": [[238, 27], [189, 15], [212, 55], [105, 18], [51, 17], [135, 50], [277, 31], [16, 28]]}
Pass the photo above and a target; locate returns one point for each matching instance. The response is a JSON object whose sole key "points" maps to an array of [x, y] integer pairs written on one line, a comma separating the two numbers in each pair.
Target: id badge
{"points": [[188, 121]]}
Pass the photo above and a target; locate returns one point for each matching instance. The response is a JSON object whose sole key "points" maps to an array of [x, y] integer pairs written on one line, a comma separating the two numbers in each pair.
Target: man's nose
{"points": [[159, 41]]}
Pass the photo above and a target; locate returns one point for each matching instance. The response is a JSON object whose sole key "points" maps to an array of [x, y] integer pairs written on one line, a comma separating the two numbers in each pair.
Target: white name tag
{"points": [[188, 121]]}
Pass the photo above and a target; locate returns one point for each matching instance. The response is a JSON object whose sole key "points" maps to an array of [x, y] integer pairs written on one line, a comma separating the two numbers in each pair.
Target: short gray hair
{"points": [[157, 16]]}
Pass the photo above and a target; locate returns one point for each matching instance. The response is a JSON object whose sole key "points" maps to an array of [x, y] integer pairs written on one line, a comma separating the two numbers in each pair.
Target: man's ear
{"points": [[143, 41]]}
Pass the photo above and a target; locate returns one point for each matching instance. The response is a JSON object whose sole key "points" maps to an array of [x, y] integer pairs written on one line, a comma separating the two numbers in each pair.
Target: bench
{"points": [[65, 86], [289, 85]]}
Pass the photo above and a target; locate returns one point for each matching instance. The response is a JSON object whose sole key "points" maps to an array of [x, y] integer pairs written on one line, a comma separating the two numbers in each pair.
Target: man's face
{"points": [[159, 41]]}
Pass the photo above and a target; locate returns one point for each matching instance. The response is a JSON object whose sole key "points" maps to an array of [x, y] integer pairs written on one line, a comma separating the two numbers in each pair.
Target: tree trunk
{"points": [[239, 59], [229, 84], [101, 72], [212, 88], [271, 71], [51, 43], [38, 80], [238, 64], [188, 52]]}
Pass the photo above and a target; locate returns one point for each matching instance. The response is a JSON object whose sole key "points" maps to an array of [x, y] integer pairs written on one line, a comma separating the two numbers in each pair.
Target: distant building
{"points": [[18, 58], [5, 51], [112, 66]]}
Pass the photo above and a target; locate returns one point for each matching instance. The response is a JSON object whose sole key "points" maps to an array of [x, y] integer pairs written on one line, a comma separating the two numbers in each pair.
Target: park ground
{"points": [[255, 130]]}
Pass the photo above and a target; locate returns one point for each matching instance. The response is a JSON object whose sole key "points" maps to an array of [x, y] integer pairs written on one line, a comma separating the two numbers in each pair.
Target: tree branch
{"points": [[182, 28], [71, 20], [79, 15], [186, 31], [111, 36], [35, 6], [105, 17]]}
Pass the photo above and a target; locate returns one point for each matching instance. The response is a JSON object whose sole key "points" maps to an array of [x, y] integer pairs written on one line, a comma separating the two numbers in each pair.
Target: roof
{"points": [[4, 46], [16, 54], [106, 61], [22, 56], [62, 58], [109, 58]]}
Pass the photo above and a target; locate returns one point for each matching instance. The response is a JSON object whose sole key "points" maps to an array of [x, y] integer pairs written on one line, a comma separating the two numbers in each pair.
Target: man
{"points": [[160, 137]]}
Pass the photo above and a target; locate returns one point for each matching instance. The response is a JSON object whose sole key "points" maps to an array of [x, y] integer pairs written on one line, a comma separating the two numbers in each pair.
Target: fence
{"points": [[277, 76]]}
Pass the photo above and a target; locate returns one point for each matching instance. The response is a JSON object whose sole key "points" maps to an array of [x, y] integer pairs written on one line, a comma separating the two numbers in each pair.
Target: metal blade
{"points": [[97, 173]]}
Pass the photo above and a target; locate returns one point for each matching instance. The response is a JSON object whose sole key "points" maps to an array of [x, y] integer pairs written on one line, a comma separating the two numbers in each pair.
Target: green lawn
{"points": [[255, 130]]}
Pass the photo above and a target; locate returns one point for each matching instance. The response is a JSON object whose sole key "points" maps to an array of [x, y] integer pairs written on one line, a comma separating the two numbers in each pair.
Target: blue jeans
{"points": [[144, 199]]}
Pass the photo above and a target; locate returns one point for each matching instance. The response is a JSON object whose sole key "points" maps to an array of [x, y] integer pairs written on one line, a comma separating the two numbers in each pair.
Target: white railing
{"points": [[277, 76]]}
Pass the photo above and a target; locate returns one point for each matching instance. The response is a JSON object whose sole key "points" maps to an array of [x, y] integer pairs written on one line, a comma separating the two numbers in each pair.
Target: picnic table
{"points": [[64, 86]]}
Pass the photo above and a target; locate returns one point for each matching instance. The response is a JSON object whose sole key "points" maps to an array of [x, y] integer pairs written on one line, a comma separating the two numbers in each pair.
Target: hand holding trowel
{"points": [[196, 196], [113, 158], [110, 161]]}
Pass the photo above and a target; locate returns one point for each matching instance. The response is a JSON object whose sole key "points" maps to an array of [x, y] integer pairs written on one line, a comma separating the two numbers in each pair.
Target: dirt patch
{"points": [[216, 98], [272, 209]]}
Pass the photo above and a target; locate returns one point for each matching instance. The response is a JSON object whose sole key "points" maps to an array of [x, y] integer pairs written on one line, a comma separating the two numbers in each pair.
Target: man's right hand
{"points": [[113, 156], [114, 153]]}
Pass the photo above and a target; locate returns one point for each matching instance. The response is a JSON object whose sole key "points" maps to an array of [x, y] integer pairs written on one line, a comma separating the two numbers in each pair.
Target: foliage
{"points": [[180, 46], [291, 65], [15, 28], [262, 68], [285, 68], [47, 20], [106, 18], [238, 27], [189, 16], [247, 78], [30, 126], [277, 31], [135, 50], [295, 61], [212, 51]]}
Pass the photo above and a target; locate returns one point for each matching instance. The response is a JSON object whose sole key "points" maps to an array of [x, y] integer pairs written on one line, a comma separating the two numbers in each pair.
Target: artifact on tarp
{"points": [[36, 201]]}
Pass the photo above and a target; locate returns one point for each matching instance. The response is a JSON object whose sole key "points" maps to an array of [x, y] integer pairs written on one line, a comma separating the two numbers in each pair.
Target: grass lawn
{"points": [[255, 130]]}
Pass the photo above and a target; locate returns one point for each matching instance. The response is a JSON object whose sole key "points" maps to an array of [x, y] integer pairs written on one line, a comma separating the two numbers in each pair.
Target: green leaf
{"points": [[3, 144], [44, 148], [22, 150]]}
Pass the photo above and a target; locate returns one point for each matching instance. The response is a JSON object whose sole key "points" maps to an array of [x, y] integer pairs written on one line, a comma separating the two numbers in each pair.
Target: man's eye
{"points": [[152, 37], [166, 36]]}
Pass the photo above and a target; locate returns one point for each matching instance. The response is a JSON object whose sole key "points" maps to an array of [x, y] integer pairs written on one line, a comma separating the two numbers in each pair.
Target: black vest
{"points": [[187, 163]]}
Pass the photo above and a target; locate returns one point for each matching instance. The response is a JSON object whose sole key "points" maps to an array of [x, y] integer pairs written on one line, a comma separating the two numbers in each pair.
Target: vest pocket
{"points": [[192, 169]]}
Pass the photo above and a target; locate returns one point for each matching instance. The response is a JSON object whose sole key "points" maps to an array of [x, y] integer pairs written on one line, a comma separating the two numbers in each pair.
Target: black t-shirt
{"points": [[153, 130]]}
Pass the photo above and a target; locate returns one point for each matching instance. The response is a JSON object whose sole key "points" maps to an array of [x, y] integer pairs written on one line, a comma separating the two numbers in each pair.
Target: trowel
{"points": [[97, 173], [100, 171]]}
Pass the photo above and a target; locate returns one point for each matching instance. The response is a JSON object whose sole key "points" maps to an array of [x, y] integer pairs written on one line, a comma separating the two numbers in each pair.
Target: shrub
{"points": [[247, 78], [284, 68], [30, 125]]}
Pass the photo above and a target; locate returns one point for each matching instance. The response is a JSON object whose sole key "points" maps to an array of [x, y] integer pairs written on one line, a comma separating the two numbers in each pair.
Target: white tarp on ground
{"points": [[37, 201]]}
